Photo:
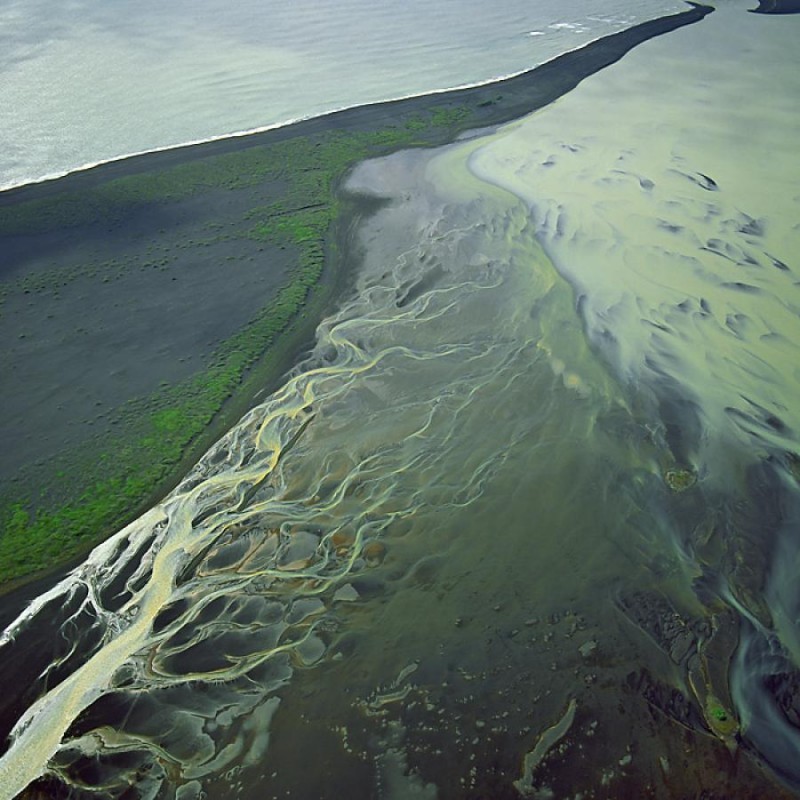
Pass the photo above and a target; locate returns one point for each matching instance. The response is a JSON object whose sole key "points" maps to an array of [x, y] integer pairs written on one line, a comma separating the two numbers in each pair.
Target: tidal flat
{"points": [[523, 520]]}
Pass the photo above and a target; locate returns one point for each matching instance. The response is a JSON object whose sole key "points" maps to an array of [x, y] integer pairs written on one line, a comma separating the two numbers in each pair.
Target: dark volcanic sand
{"points": [[488, 678], [778, 7], [151, 310]]}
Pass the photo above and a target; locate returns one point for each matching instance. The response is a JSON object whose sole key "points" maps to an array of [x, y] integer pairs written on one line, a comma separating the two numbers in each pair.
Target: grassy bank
{"points": [[58, 509]]}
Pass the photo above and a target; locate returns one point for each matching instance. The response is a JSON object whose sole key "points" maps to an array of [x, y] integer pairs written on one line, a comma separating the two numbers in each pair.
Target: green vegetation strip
{"points": [[93, 490]]}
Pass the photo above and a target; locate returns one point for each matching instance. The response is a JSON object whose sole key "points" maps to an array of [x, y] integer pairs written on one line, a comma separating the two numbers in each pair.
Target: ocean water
{"points": [[524, 523], [85, 81]]}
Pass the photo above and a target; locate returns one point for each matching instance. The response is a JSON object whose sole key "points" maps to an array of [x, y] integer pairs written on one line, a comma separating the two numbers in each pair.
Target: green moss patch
{"points": [[57, 510]]}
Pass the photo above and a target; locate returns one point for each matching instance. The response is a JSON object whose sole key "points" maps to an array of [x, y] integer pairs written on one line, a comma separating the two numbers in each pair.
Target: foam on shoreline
{"points": [[458, 93]]}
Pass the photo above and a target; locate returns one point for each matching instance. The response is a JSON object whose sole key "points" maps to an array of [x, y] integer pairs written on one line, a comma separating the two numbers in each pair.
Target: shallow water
{"points": [[500, 535], [673, 213], [672, 209]]}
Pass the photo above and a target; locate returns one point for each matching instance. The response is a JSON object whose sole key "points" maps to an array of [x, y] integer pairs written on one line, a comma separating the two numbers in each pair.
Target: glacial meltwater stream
{"points": [[526, 520]]}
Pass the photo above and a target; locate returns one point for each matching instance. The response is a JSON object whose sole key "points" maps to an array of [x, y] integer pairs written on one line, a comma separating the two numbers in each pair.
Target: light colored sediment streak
{"points": [[548, 739], [665, 189], [452, 389], [44, 724]]}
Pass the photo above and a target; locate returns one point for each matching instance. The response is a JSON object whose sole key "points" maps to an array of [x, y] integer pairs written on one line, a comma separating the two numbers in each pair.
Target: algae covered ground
{"points": [[604, 563]]}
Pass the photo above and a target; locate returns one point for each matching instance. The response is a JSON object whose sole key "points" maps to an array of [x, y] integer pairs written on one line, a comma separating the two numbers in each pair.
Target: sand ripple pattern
{"points": [[673, 212], [456, 368]]}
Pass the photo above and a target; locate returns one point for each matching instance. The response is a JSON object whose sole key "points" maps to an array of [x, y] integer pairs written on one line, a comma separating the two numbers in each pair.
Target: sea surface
{"points": [[525, 522], [83, 82]]}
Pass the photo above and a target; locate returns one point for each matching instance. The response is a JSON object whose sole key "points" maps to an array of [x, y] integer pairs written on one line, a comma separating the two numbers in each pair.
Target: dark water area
{"points": [[523, 523]]}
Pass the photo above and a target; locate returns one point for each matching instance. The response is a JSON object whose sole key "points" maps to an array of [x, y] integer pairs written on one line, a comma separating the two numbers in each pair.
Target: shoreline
{"points": [[481, 94], [420, 121], [267, 129]]}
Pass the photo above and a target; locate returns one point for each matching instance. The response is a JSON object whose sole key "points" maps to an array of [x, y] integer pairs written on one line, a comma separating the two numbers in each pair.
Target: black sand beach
{"points": [[777, 7]]}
